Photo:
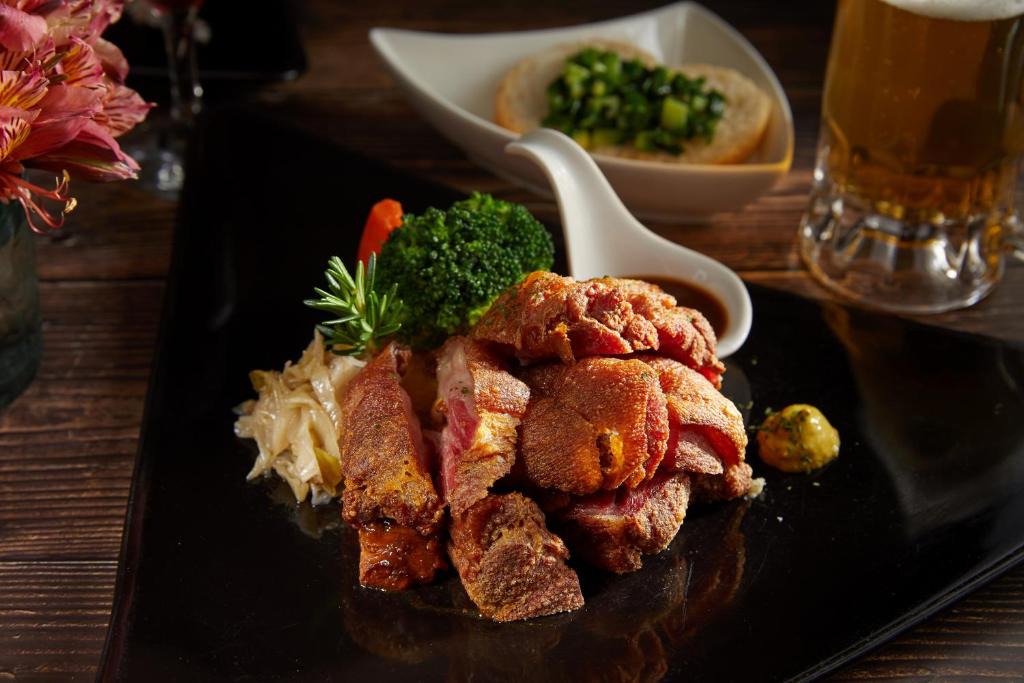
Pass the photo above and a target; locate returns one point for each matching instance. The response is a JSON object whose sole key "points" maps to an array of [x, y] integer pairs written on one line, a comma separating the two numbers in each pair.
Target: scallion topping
{"points": [[600, 99]]}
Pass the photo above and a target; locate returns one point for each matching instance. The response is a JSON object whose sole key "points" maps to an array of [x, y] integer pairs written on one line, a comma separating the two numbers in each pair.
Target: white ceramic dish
{"points": [[603, 238], [451, 80]]}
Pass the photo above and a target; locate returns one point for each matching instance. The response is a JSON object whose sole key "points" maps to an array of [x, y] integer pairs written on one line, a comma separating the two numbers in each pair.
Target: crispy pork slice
{"points": [[549, 316], [614, 529], [596, 424], [511, 566], [385, 465], [482, 403], [706, 434], [684, 334]]}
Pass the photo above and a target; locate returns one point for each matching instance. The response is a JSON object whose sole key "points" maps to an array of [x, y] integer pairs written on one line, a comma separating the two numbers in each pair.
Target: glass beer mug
{"points": [[922, 133]]}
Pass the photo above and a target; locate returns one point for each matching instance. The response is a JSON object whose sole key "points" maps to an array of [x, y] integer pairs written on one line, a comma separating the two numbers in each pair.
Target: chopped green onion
{"points": [[674, 114], [600, 99]]}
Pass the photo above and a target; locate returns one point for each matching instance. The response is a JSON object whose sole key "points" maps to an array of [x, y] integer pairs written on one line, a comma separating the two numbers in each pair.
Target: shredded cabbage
{"points": [[296, 421]]}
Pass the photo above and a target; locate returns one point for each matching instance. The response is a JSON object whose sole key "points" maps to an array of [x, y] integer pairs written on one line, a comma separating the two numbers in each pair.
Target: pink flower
{"points": [[62, 101]]}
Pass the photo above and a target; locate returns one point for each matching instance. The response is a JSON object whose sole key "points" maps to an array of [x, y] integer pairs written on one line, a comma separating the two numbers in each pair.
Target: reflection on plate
{"points": [[451, 80], [633, 623], [632, 626]]}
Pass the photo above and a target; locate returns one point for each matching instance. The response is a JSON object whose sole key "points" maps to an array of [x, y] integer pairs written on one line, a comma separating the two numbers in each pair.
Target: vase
{"points": [[20, 322]]}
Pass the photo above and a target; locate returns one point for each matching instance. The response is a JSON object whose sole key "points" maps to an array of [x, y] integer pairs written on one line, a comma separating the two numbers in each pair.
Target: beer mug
{"points": [[922, 132]]}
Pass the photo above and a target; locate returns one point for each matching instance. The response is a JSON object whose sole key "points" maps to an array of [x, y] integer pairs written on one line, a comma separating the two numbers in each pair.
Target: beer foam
{"points": [[962, 10]]}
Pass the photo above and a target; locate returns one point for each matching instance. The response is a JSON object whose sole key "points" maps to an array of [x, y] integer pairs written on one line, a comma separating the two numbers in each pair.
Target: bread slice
{"points": [[521, 103]]}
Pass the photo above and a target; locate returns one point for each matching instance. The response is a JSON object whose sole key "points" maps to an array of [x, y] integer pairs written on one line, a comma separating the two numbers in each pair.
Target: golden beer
{"points": [[921, 140]]}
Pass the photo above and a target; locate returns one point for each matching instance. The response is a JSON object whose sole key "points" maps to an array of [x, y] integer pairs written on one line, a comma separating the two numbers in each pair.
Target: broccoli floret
{"points": [[450, 266]]}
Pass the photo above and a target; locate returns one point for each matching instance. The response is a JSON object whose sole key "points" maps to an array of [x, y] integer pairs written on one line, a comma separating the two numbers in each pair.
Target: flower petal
{"points": [[115, 66], [104, 13], [22, 89], [80, 67], [85, 19], [94, 155], [39, 7], [14, 131], [14, 112], [63, 101], [27, 60], [63, 114], [20, 30], [123, 109]]}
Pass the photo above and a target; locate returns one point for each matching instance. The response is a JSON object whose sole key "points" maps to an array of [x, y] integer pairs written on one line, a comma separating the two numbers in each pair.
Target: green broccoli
{"points": [[450, 266]]}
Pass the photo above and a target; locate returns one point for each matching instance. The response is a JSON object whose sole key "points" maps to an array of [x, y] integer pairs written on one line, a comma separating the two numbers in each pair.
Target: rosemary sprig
{"points": [[363, 316]]}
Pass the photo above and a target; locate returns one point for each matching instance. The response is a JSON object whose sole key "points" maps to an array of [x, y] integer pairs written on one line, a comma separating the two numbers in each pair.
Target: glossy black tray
{"points": [[223, 580]]}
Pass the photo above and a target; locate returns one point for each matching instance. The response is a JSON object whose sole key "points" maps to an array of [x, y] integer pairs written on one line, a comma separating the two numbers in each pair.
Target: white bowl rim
{"points": [[380, 35]]}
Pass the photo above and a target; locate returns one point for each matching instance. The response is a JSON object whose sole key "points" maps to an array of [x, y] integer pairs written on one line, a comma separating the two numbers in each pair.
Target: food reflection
{"points": [[631, 628], [938, 412], [312, 520]]}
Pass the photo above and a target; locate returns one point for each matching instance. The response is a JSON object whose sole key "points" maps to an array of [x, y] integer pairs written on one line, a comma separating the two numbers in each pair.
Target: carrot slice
{"points": [[385, 216]]}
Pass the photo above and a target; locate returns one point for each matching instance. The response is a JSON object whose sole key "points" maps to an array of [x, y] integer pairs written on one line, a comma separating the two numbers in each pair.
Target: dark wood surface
{"points": [[67, 446]]}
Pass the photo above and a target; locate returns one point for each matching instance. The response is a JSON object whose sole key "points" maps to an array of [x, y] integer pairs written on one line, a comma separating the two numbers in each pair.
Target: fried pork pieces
{"points": [[389, 492], [481, 404], [593, 425], [598, 399], [550, 316], [511, 566]]}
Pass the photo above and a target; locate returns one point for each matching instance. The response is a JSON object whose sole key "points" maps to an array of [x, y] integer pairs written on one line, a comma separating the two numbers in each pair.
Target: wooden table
{"points": [[67, 446]]}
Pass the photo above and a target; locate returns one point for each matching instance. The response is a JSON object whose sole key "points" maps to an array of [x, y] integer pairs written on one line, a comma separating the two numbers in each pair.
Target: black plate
{"points": [[224, 580]]}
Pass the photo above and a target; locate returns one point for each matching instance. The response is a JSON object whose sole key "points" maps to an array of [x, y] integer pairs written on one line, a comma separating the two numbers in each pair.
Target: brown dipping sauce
{"points": [[692, 296]]}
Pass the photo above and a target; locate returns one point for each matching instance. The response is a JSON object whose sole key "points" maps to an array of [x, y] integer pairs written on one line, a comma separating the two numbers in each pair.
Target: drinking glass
{"points": [[162, 154], [922, 132]]}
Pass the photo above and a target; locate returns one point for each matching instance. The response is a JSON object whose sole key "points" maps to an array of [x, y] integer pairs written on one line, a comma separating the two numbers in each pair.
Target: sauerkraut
{"points": [[297, 419]]}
